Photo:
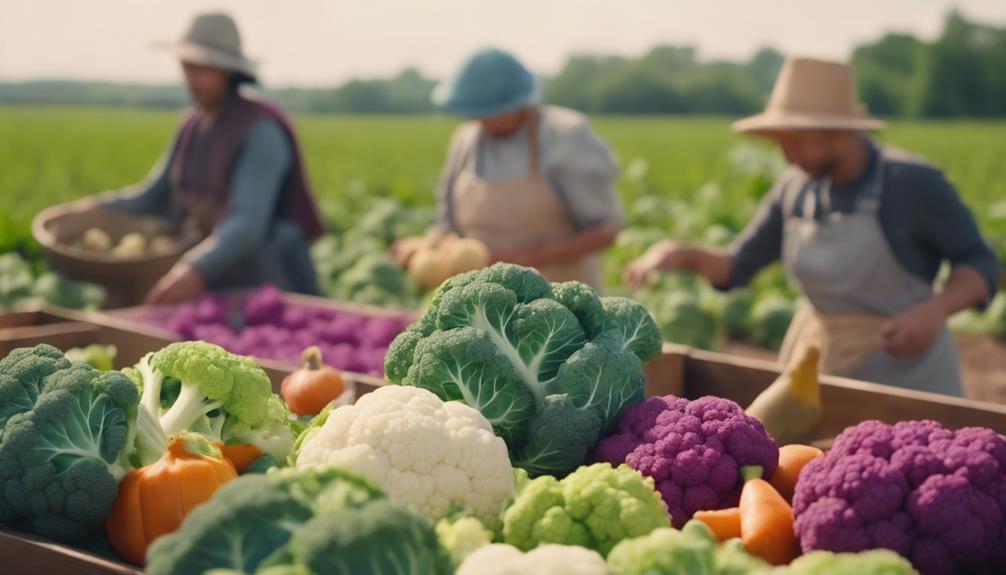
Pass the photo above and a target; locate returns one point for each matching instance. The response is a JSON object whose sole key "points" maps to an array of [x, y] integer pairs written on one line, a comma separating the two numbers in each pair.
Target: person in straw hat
{"points": [[534, 183], [862, 230], [235, 168]]}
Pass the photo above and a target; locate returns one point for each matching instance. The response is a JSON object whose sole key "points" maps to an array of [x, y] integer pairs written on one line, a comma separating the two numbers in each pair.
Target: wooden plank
{"points": [[18, 319], [846, 401], [25, 554], [63, 335]]}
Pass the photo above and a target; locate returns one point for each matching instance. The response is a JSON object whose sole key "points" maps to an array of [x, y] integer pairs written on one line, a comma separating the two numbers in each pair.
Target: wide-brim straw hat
{"points": [[213, 40], [812, 95]]}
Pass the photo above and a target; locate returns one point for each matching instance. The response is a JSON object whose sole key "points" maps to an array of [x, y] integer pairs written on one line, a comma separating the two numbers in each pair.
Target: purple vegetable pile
{"points": [[264, 325], [937, 497], [693, 450]]}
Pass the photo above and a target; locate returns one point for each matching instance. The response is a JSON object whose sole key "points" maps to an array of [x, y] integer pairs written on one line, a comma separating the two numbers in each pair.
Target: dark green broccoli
{"points": [[377, 538], [253, 517], [62, 459]]}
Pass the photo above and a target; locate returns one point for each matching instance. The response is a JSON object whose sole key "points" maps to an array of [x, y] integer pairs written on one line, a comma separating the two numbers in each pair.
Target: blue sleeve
{"points": [[262, 164], [760, 244], [945, 227], [151, 197]]}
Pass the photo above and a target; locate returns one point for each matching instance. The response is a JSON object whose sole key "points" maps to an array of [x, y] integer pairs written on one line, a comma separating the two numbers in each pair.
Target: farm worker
{"points": [[532, 182], [235, 168], [862, 230]]}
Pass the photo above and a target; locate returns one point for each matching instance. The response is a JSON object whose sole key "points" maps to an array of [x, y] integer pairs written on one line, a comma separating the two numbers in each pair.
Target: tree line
{"points": [[960, 74]]}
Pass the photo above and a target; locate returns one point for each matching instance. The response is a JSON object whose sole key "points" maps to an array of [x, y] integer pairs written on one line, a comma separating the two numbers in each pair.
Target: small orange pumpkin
{"points": [[309, 389], [153, 500]]}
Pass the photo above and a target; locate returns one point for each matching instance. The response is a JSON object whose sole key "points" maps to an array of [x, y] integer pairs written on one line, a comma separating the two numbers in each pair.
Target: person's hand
{"points": [[913, 332], [667, 255], [182, 283]]}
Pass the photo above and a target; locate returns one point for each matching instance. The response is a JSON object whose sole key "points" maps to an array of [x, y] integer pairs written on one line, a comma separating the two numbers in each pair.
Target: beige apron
{"points": [[519, 213], [853, 284]]}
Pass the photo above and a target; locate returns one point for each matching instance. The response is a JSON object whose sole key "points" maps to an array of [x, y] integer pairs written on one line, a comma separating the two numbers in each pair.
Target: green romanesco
{"points": [[595, 507]]}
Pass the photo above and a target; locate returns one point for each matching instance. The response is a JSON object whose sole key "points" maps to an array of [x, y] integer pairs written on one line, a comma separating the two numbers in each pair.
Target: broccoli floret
{"points": [[61, 461], [198, 386], [380, 537]]}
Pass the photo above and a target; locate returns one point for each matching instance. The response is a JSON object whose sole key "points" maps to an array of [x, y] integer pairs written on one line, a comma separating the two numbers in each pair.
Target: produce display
{"points": [[693, 450], [430, 454], [187, 462], [153, 500], [264, 324], [550, 366], [21, 286], [594, 507], [131, 245], [935, 496], [100, 357], [431, 263], [308, 390], [548, 559], [790, 408], [304, 521]]}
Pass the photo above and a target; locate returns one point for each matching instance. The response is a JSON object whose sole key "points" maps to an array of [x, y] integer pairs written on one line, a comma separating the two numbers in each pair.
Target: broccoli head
{"points": [[62, 459], [550, 366], [379, 537], [935, 496], [693, 450]]}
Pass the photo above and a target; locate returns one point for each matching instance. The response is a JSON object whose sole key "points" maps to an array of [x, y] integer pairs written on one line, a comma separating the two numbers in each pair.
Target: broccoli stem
{"points": [[190, 406], [151, 441], [152, 380]]}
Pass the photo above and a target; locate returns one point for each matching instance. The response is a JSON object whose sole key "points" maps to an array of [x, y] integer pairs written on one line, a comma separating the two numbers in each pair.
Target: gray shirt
{"points": [[577, 164], [260, 166], [922, 217]]}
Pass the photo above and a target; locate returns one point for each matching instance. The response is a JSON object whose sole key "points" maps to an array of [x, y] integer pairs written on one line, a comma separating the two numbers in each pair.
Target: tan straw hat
{"points": [[812, 94], [213, 40]]}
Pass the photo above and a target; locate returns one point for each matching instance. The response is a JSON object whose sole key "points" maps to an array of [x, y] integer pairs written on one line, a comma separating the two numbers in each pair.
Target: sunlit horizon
{"points": [[316, 42]]}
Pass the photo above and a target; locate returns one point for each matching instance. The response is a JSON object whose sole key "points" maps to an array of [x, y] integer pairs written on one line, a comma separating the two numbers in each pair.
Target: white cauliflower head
{"points": [[550, 559], [419, 449]]}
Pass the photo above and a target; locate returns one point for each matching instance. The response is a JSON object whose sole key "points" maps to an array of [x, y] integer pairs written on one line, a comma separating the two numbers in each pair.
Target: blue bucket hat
{"points": [[490, 82]]}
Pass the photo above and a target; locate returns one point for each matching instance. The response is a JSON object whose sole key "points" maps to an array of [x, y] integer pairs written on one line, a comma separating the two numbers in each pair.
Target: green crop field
{"points": [[688, 178]]}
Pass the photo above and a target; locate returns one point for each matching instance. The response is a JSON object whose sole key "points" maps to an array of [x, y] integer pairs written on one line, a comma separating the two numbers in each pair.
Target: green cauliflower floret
{"points": [[693, 549], [61, 460], [595, 507], [462, 535], [876, 562], [377, 538], [100, 357], [273, 436], [254, 518], [551, 366]]}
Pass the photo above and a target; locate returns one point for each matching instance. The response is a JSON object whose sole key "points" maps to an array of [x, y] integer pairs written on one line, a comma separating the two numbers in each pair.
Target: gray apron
{"points": [[852, 284]]}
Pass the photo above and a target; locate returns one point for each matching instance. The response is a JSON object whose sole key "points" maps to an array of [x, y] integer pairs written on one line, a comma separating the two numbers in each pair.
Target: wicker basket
{"points": [[127, 279]]}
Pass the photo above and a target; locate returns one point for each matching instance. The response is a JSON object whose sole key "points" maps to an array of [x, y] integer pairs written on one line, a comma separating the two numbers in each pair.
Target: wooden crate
{"points": [[679, 371]]}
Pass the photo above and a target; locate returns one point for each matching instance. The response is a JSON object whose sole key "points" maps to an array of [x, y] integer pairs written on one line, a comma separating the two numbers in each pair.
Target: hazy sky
{"points": [[314, 42]]}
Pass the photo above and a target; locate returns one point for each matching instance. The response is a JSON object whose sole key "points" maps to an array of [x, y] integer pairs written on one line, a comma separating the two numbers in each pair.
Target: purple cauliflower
{"points": [[265, 306], [693, 450], [935, 496]]}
